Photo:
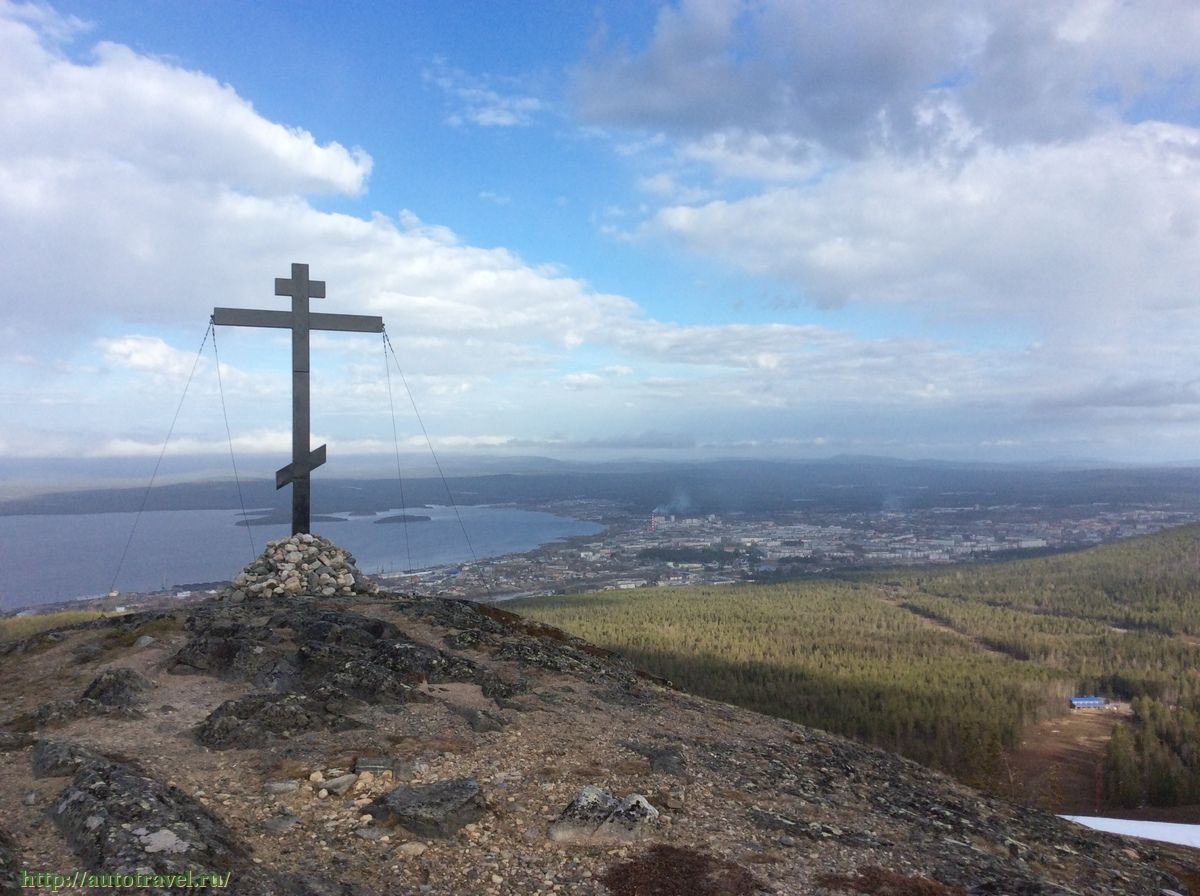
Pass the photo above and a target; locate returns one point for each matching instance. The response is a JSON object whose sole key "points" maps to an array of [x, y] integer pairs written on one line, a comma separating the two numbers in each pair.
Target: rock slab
{"points": [[432, 810]]}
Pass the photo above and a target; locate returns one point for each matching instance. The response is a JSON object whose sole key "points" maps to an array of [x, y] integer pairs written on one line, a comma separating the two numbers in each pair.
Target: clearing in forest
{"points": [[1058, 764]]}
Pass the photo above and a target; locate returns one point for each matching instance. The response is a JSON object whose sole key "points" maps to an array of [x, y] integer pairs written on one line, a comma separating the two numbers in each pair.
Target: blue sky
{"points": [[694, 229]]}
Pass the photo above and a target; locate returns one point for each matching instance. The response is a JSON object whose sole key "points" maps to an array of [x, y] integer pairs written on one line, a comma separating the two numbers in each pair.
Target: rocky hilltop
{"points": [[309, 733]]}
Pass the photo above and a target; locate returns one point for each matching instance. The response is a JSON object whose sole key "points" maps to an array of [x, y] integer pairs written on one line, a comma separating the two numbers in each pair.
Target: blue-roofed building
{"points": [[1088, 703]]}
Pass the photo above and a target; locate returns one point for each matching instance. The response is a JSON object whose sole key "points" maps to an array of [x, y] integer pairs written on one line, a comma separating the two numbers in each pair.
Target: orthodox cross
{"points": [[300, 321]]}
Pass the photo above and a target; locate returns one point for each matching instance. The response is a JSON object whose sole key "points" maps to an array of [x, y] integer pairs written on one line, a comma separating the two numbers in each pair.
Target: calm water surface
{"points": [[52, 558]]}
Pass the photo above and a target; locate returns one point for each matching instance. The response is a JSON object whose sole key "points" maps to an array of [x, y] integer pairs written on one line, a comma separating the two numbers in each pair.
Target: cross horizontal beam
{"points": [[284, 320]]}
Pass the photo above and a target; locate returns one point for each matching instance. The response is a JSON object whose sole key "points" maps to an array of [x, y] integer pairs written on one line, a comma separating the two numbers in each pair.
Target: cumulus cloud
{"points": [[1104, 224], [666, 186], [134, 189], [768, 157], [128, 112]]}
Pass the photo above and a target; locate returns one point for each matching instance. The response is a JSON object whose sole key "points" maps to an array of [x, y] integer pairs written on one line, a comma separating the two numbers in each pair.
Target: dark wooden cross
{"points": [[300, 321]]}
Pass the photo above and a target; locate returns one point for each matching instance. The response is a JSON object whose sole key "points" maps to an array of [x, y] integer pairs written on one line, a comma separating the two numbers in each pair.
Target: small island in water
{"points": [[404, 518], [284, 518]]}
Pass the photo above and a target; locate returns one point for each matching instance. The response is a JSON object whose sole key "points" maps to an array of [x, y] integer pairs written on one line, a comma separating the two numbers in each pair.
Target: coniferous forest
{"points": [[945, 665]]}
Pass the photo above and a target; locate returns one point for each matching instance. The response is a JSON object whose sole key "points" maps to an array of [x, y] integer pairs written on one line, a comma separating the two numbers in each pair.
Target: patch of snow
{"points": [[1165, 832]]}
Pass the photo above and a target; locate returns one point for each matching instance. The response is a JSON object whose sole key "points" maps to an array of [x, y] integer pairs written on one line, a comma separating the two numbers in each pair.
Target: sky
{"points": [[711, 228]]}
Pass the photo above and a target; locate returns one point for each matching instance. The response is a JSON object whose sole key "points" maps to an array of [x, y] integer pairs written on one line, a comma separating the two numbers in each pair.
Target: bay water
{"points": [[50, 558]]}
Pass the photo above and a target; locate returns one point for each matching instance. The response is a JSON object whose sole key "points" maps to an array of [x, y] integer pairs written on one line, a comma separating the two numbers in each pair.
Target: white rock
{"points": [[411, 849], [341, 783], [164, 840]]}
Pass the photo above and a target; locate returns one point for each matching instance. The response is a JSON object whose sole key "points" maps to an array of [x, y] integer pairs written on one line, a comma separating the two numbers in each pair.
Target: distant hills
{"points": [[847, 484]]}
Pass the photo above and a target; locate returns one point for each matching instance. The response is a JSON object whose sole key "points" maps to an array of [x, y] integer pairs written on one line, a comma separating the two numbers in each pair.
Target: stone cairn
{"points": [[301, 564]]}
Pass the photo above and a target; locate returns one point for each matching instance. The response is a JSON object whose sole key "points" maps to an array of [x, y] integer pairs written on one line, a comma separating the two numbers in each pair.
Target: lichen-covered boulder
{"points": [[120, 820], [595, 816], [118, 687]]}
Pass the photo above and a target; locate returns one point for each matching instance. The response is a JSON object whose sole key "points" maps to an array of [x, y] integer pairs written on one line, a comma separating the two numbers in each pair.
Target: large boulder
{"points": [[120, 821]]}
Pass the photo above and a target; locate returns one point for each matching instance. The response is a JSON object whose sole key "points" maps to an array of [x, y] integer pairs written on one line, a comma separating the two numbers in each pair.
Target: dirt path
{"points": [[1057, 765]]}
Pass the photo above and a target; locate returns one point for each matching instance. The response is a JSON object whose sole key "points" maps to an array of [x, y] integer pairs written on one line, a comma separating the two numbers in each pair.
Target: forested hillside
{"points": [[944, 665], [1146, 583]]}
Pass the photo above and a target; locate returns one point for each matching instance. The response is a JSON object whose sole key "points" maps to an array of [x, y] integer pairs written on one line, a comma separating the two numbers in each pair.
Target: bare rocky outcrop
{"points": [[114, 694], [258, 719], [10, 865], [118, 687], [374, 743]]}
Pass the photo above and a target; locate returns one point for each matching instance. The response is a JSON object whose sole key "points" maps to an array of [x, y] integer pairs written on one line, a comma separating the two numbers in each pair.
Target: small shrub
{"points": [[673, 871]]}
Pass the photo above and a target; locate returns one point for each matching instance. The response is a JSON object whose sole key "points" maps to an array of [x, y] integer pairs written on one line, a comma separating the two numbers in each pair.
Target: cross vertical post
{"points": [[301, 289], [300, 320]]}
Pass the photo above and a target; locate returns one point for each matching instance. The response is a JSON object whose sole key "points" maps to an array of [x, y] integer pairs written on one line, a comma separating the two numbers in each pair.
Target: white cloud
{"points": [[1101, 230], [583, 380], [131, 113], [667, 187], [147, 354], [1025, 173], [150, 241], [53, 25], [279, 442], [476, 100], [272, 441]]}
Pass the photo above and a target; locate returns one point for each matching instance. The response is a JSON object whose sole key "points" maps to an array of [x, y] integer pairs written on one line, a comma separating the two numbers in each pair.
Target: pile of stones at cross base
{"points": [[301, 564]]}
